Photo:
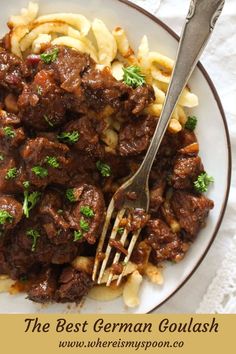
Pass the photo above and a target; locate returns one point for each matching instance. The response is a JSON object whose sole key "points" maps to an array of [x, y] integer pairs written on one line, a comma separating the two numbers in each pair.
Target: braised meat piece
{"points": [[44, 288], [11, 134], [73, 285], [186, 170], [191, 211], [86, 212], [101, 89], [157, 195], [88, 141], [141, 253], [82, 169], [165, 244], [13, 71], [12, 175], [68, 68], [134, 137], [41, 103], [11, 212], [46, 162], [52, 219]]}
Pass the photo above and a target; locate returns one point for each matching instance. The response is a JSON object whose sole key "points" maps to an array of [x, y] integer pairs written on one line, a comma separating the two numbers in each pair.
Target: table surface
{"points": [[220, 61]]}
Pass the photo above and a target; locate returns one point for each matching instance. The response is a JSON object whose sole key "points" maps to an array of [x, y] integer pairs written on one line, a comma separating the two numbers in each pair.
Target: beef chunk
{"points": [[90, 226], [165, 244], [191, 211], [13, 71], [14, 208], [52, 219], [44, 288], [11, 183], [88, 138], [186, 171], [135, 136], [69, 68], [37, 153], [102, 89], [11, 134], [141, 253], [157, 195], [73, 285], [41, 103], [82, 169]]}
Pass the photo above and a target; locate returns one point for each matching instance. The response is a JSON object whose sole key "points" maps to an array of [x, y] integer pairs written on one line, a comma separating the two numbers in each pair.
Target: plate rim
{"points": [[226, 129]]}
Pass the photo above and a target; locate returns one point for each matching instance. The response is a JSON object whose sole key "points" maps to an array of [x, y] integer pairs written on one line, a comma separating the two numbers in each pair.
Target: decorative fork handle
{"points": [[200, 23]]}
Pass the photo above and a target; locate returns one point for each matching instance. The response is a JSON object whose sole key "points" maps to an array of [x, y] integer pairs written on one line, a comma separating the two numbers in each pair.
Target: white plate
{"points": [[211, 131]]}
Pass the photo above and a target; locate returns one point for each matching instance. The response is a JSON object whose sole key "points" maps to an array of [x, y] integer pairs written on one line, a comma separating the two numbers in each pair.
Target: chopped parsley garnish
{"points": [[70, 195], [69, 137], [39, 90], [48, 120], [50, 57], [191, 123], [9, 131], [12, 173], [84, 225], [52, 161], [30, 200], [87, 211], [59, 211], [78, 235], [26, 184], [1, 157], [133, 76], [35, 235], [40, 171], [202, 183], [121, 230], [104, 169], [5, 217]]}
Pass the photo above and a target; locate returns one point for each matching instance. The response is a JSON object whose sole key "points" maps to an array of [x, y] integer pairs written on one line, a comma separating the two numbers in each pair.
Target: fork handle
{"points": [[200, 23]]}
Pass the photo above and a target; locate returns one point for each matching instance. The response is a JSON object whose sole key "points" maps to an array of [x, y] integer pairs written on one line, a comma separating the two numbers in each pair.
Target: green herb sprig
{"points": [[40, 171], [11, 173], [50, 57], [104, 169], [87, 211], [191, 123], [69, 137], [9, 132], [133, 76], [34, 234], [5, 217], [202, 183], [52, 161]]}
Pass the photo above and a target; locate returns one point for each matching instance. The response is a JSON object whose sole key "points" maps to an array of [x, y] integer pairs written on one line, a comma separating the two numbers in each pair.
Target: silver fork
{"points": [[199, 25]]}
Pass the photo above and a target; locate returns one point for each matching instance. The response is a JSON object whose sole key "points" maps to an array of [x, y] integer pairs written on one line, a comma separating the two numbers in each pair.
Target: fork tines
{"points": [[107, 254]]}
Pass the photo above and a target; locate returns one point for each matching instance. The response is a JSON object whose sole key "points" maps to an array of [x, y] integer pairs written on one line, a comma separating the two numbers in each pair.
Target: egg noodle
{"points": [[30, 34]]}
